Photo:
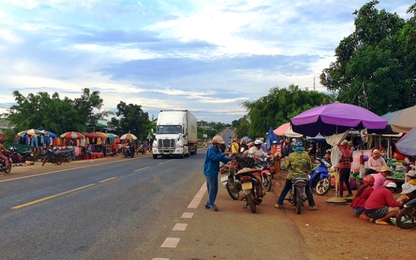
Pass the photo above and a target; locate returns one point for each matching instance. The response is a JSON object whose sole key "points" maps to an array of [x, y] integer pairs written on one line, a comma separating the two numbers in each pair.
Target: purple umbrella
{"points": [[406, 144], [335, 118]]}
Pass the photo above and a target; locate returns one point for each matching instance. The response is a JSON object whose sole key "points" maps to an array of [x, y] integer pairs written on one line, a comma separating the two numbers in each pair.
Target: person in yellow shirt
{"points": [[235, 146]]}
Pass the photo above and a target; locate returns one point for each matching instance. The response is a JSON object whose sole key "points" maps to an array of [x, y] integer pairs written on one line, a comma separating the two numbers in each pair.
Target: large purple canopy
{"points": [[335, 118]]}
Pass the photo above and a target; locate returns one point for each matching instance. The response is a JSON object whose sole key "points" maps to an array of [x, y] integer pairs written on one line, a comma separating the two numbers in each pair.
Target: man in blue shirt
{"points": [[211, 168]]}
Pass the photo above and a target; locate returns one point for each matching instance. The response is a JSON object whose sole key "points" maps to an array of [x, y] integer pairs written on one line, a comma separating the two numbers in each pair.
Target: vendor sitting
{"points": [[363, 193], [408, 192], [381, 205], [411, 177], [376, 162]]}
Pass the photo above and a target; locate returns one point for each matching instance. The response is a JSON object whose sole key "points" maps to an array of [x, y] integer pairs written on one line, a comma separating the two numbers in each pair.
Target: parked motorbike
{"points": [[320, 180], [141, 149], [266, 176], [250, 184], [20, 157], [3, 167], [67, 154], [298, 193], [230, 180], [406, 218], [128, 152], [55, 157]]}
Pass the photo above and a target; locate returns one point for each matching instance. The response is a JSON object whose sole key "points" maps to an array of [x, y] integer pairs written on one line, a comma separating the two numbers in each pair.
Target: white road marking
{"points": [[171, 242], [198, 197], [160, 258], [187, 215], [180, 227]]}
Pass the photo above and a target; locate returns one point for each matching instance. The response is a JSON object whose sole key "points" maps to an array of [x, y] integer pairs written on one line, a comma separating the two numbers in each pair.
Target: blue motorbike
{"points": [[320, 180]]}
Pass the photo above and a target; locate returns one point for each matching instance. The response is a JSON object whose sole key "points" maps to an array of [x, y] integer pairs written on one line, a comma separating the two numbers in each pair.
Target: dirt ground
{"points": [[333, 231]]}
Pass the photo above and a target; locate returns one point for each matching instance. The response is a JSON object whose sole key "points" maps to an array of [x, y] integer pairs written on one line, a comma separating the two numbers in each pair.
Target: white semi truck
{"points": [[176, 134]]}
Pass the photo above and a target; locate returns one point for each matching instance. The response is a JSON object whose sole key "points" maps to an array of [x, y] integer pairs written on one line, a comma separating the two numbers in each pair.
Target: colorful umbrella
{"points": [[286, 130], [95, 135], [72, 135], [30, 132], [51, 134], [335, 118], [128, 136], [406, 144], [401, 121]]}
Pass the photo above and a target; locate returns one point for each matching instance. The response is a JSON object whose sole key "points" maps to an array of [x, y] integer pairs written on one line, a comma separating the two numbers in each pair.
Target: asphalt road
{"points": [[138, 208]]}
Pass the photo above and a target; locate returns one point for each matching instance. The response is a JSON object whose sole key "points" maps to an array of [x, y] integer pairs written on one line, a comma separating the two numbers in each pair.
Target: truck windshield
{"points": [[169, 129]]}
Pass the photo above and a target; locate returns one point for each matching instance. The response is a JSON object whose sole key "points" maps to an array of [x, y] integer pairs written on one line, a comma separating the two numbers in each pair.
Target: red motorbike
{"points": [[21, 157], [3, 167]]}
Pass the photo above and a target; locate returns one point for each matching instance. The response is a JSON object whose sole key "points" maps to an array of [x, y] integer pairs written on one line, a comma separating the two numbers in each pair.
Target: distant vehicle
{"points": [[176, 134]]}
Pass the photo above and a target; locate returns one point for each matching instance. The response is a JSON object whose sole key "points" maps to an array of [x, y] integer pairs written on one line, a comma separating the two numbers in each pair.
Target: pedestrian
{"points": [[211, 169], [235, 146], [344, 167], [298, 163]]}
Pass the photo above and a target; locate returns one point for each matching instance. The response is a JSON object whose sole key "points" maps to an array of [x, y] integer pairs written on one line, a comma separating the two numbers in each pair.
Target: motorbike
{"points": [[230, 180], [406, 218], [67, 154], [3, 167], [52, 156], [266, 176], [20, 157], [250, 184], [128, 152], [320, 180], [298, 193], [141, 149]]}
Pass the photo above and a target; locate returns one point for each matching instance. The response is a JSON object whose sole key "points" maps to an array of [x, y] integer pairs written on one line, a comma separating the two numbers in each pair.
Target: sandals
{"points": [[380, 222]]}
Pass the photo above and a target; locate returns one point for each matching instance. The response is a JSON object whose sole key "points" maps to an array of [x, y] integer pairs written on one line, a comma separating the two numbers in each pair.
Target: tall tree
{"points": [[372, 69], [134, 120], [279, 106]]}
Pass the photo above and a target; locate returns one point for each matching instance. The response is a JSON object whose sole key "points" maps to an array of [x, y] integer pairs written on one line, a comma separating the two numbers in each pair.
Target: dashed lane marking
{"points": [[198, 197], [141, 169], [171, 242], [109, 179], [187, 215], [180, 227], [50, 197]]}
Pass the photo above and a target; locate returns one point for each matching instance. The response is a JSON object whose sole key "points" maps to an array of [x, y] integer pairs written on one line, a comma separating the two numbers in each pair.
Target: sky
{"points": [[205, 56]]}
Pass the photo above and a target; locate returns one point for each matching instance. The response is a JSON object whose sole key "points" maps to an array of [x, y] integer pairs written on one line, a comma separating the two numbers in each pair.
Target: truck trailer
{"points": [[175, 135]]}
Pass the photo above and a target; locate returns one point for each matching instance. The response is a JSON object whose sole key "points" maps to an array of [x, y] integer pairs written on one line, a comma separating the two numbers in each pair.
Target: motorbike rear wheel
{"points": [[232, 188], [45, 159], [322, 186], [250, 202], [298, 201], [267, 182], [406, 218]]}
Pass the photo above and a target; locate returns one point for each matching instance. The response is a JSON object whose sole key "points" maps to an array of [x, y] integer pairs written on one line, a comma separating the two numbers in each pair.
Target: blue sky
{"points": [[205, 56]]}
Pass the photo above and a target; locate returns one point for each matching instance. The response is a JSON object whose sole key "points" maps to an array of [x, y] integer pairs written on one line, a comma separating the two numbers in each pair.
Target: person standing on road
{"points": [[235, 146], [211, 169], [298, 163], [344, 167]]}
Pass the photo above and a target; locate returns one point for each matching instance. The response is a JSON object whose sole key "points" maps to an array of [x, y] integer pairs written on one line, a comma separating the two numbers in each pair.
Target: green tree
{"points": [[134, 120], [375, 65], [279, 106], [43, 111]]}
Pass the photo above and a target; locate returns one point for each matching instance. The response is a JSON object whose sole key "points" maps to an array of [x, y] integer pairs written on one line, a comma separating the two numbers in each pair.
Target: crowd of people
{"points": [[374, 199]]}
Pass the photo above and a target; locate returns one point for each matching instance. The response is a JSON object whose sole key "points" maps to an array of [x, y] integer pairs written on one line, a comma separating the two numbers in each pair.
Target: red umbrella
{"points": [[72, 135]]}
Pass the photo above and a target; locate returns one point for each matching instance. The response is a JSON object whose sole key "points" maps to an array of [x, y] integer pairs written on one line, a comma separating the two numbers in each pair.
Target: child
{"points": [[362, 195]]}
